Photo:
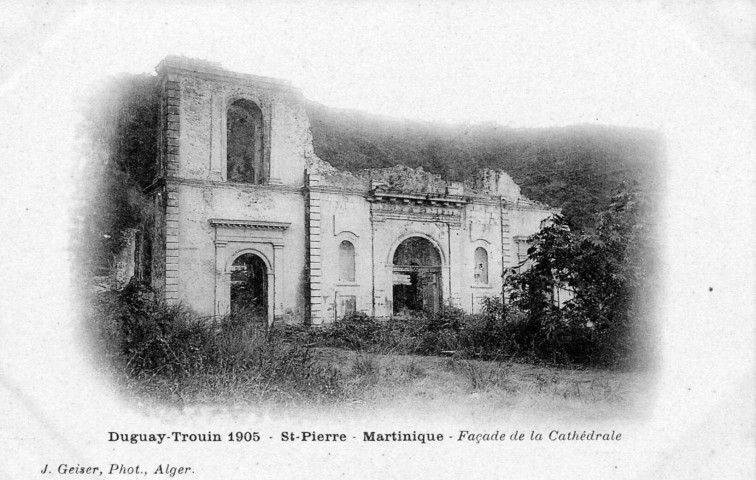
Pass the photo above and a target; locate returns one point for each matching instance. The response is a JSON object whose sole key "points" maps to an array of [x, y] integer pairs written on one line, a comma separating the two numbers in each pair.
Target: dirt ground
{"points": [[420, 388], [432, 385]]}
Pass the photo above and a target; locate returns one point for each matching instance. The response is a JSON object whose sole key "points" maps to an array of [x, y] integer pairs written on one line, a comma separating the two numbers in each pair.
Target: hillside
{"points": [[576, 168]]}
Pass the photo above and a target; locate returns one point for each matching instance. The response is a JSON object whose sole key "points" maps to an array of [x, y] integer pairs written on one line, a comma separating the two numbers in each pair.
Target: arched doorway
{"points": [[249, 286], [416, 276]]}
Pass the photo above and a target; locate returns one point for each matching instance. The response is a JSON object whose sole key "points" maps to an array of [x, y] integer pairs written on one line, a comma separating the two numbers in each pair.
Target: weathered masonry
{"points": [[248, 217]]}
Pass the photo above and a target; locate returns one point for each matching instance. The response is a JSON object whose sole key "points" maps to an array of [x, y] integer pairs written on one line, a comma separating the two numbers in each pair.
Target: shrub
{"points": [[357, 331], [155, 337], [605, 269], [150, 340], [425, 334]]}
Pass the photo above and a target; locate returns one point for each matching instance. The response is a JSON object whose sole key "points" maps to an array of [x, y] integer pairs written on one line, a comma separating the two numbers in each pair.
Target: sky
{"points": [[517, 63], [685, 69]]}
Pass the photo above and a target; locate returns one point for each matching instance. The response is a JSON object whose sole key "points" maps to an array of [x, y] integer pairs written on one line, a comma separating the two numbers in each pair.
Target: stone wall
{"points": [[296, 221], [488, 182], [190, 262], [206, 254], [376, 226], [203, 96], [344, 217]]}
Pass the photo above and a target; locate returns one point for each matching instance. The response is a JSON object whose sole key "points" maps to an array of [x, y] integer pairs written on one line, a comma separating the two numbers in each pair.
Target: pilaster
{"points": [[506, 237], [313, 233], [171, 112], [172, 244]]}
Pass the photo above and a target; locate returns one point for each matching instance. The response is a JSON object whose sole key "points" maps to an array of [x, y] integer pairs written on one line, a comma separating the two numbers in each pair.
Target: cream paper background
{"points": [[685, 69]]}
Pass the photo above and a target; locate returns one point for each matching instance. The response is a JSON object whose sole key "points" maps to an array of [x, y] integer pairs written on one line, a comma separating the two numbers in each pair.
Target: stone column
{"points": [[276, 294], [271, 297], [220, 301], [456, 271]]}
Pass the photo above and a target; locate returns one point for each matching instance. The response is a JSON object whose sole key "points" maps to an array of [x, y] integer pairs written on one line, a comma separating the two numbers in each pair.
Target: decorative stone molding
{"points": [[259, 237], [454, 201], [381, 211], [250, 224], [342, 227]]}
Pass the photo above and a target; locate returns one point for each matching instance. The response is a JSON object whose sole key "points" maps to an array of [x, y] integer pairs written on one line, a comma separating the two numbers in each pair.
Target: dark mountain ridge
{"points": [[577, 168]]}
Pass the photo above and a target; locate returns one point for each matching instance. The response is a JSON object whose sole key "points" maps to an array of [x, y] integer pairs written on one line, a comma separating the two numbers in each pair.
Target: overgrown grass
{"points": [[170, 355], [495, 334]]}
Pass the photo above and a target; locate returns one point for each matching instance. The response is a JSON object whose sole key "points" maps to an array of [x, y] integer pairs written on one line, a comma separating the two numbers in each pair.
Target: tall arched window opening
{"points": [[346, 262], [244, 143], [481, 265]]}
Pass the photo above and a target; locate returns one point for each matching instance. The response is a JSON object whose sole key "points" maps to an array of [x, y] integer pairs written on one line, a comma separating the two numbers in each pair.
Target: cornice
{"points": [[234, 185], [249, 224], [453, 201], [186, 66]]}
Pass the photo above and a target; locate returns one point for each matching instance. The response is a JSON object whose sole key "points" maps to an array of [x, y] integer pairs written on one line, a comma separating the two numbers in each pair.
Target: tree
{"points": [[604, 269]]}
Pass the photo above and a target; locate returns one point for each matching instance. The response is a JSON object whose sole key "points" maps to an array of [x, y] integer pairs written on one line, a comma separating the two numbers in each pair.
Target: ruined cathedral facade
{"points": [[248, 217]]}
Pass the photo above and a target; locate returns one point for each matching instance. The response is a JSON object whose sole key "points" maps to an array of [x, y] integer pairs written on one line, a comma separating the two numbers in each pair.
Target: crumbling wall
{"points": [[330, 176], [124, 261], [405, 179], [494, 183], [374, 210], [203, 92]]}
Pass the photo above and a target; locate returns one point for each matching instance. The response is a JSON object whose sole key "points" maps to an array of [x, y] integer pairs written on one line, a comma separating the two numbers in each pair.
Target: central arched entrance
{"points": [[249, 286], [416, 276]]}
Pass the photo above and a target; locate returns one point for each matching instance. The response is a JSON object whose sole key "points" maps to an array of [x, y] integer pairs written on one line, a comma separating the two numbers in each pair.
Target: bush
{"points": [[149, 340], [606, 269], [425, 334], [357, 331], [154, 337], [561, 337]]}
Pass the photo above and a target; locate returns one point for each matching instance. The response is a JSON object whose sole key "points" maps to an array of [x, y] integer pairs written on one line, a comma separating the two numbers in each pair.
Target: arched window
{"points": [[481, 265], [346, 262], [244, 143]]}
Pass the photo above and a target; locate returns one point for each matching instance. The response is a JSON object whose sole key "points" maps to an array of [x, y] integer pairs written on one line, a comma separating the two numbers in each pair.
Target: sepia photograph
{"points": [[397, 240], [220, 242]]}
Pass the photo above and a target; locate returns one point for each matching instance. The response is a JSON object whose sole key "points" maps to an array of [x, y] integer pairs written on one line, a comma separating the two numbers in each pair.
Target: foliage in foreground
{"points": [[495, 334], [168, 354], [605, 274], [151, 341]]}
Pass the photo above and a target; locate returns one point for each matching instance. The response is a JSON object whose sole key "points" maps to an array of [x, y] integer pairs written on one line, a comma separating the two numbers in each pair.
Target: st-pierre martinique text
{"points": [[423, 437]]}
